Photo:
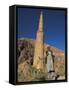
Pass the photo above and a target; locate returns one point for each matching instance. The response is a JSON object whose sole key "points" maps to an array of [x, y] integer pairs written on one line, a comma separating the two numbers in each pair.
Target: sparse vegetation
{"points": [[26, 72]]}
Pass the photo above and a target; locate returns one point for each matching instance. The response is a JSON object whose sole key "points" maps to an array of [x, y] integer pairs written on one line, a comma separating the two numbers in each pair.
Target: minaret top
{"points": [[40, 27]]}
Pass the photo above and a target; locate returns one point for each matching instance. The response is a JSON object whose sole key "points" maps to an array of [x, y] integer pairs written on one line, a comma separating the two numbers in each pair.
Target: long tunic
{"points": [[50, 66]]}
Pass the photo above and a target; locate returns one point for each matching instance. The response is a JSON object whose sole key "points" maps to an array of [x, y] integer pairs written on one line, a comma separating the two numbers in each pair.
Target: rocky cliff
{"points": [[25, 53]]}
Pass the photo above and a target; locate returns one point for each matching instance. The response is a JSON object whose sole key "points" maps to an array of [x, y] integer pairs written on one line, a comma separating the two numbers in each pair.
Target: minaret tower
{"points": [[39, 46]]}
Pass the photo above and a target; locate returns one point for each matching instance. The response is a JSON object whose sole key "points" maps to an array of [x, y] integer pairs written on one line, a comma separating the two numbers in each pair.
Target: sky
{"points": [[53, 25]]}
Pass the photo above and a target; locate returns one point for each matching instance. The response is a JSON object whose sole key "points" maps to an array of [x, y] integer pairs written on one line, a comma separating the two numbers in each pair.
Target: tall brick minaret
{"points": [[38, 61]]}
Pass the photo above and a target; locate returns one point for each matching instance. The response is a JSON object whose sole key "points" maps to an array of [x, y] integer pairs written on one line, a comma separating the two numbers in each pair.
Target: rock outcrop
{"points": [[25, 54]]}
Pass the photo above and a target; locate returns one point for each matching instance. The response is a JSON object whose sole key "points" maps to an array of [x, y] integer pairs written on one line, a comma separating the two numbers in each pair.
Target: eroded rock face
{"points": [[25, 54], [26, 51], [24, 72]]}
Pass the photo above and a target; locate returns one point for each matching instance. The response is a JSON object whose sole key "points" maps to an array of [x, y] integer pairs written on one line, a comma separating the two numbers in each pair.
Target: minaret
{"points": [[38, 61]]}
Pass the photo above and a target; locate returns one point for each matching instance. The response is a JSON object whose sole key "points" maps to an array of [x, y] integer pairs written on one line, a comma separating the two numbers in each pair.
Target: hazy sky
{"points": [[53, 23]]}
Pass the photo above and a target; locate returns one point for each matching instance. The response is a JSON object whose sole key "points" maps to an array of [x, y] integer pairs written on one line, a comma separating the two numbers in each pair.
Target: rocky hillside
{"points": [[25, 53]]}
